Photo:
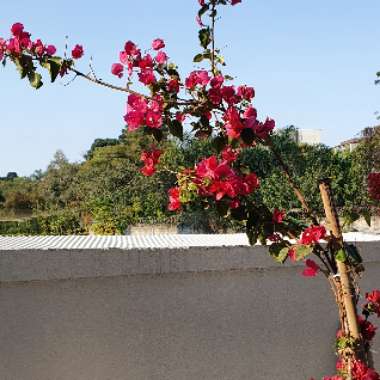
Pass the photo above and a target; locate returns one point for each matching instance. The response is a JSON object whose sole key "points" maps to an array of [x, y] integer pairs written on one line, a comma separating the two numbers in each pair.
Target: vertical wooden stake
{"points": [[345, 280]]}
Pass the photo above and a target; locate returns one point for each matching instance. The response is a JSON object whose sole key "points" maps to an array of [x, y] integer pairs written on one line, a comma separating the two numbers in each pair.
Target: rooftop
{"points": [[164, 241]]}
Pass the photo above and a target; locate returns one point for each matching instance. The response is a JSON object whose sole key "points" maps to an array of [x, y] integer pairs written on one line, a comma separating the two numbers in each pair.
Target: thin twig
{"points": [[292, 183], [125, 89]]}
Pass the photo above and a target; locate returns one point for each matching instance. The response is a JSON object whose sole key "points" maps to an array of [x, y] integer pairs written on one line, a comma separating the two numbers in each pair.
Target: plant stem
{"points": [[291, 182], [181, 102], [333, 221], [213, 11]]}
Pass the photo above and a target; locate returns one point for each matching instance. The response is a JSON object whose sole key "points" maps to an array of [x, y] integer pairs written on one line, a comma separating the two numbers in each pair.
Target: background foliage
{"points": [[105, 194]]}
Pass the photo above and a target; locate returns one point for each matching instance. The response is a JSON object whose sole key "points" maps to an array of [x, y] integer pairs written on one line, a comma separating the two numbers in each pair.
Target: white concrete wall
{"points": [[180, 314]]}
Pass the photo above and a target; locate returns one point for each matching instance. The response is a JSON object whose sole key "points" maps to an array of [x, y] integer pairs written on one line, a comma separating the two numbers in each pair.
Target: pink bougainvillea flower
{"points": [[173, 85], [229, 155], [250, 113], [275, 237], [235, 203], [136, 109], [124, 57], [245, 92], [146, 62], [367, 329], [179, 116], [174, 200], [13, 46], [158, 44], [373, 304], [17, 28], [234, 124], [217, 81], [130, 49], [229, 95], [336, 377], [195, 78], [50, 50], [147, 76], [202, 77], [117, 69], [150, 160], [361, 372], [38, 47], [312, 268], [250, 183], [153, 119], [234, 2], [161, 58], [313, 234], [278, 216], [77, 52], [263, 130]]}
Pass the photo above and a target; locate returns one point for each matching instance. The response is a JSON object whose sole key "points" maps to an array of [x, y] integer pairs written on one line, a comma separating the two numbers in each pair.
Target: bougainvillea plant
{"points": [[214, 108]]}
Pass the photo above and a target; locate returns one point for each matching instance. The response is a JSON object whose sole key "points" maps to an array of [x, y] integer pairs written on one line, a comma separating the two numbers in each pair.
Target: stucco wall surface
{"points": [[212, 313]]}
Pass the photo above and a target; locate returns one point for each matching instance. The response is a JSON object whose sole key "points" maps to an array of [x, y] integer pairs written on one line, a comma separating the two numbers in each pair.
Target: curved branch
{"points": [[291, 182], [99, 82], [213, 11]]}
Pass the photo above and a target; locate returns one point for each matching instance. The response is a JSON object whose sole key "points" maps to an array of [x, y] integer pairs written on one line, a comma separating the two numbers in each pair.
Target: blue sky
{"points": [[312, 64]]}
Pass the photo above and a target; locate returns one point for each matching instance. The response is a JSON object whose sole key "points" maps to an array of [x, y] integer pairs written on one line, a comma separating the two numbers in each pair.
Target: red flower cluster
{"points": [[150, 160], [374, 186], [313, 234], [195, 78], [312, 268], [132, 58], [77, 52], [278, 216], [361, 372], [142, 112], [21, 41], [373, 302], [367, 329], [217, 179], [174, 199]]}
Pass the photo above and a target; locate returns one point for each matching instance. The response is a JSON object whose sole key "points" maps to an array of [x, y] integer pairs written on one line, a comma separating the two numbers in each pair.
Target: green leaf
{"points": [[302, 251], [35, 79], [203, 10], [22, 69], [353, 254], [55, 64], [176, 129], [341, 255], [201, 56], [205, 37], [198, 58], [279, 251]]}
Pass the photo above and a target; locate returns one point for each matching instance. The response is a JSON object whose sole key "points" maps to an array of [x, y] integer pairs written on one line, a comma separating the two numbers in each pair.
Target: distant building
{"points": [[351, 144], [306, 136]]}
